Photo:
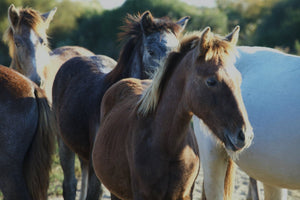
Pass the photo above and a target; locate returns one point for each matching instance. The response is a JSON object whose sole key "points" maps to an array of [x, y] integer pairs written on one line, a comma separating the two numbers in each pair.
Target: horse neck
{"points": [[172, 112], [130, 64]]}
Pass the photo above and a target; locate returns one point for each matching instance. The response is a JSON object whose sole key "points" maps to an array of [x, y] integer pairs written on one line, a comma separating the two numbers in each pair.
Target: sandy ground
{"points": [[240, 193]]}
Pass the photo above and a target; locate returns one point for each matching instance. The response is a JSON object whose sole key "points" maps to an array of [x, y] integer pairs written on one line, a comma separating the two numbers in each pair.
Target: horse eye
{"points": [[42, 42], [17, 43], [151, 53], [211, 82]]}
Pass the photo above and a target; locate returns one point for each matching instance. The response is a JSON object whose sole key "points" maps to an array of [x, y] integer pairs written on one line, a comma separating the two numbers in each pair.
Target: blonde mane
{"points": [[215, 48], [30, 18]]}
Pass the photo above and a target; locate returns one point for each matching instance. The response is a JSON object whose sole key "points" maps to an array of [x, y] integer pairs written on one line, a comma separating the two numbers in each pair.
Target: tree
{"points": [[282, 26]]}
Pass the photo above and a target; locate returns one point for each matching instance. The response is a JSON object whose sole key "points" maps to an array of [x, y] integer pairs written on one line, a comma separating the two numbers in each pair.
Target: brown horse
{"points": [[145, 148], [28, 47], [81, 82], [26, 138]]}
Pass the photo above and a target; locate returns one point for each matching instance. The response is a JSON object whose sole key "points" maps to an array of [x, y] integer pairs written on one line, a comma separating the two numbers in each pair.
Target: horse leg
{"points": [[94, 189], [12, 184], [253, 193], [274, 193], [67, 161], [84, 179], [214, 160]]}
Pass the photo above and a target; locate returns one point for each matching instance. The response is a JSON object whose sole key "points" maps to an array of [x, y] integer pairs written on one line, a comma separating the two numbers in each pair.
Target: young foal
{"points": [[28, 47], [26, 138], [81, 82], [145, 148]]}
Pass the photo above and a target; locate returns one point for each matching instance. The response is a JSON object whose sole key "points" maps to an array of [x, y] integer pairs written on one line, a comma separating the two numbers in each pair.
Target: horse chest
{"points": [[160, 178]]}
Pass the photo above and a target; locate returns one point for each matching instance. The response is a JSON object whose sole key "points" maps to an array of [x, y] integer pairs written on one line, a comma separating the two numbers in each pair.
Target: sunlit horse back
{"points": [[145, 148], [26, 138], [82, 81], [28, 47]]}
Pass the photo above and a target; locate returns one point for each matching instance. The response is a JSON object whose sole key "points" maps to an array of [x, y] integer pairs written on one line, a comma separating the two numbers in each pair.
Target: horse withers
{"points": [[81, 83], [145, 147], [26, 138]]}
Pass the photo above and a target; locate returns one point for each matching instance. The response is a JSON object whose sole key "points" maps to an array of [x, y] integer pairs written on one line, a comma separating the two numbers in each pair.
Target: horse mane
{"points": [[30, 18], [132, 34], [216, 49]]}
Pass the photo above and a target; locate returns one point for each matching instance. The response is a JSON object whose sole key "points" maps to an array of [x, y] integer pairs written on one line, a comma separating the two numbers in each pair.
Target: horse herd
{"points": [[134, 135]]}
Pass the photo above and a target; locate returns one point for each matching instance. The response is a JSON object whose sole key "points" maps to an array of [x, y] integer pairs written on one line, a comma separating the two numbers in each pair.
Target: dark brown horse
{"points": [[26, 138], [81, 82], [145, 147]]}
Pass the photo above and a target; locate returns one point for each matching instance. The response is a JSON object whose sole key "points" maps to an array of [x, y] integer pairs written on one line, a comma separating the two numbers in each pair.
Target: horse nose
{"points": [[236, 140], [241, 136], [239, 142]]}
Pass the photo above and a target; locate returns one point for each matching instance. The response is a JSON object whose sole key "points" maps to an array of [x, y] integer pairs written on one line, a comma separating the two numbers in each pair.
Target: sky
{"points": [[109, 4]]}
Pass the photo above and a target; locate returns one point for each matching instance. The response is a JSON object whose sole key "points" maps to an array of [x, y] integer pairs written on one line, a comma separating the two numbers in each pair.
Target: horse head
{"points": [[150, 41], [215, 82], [157, 45], [27, 40]]}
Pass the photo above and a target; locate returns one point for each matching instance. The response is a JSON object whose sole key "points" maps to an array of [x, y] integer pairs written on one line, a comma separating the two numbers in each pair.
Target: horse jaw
{"points": [[200, 126]]}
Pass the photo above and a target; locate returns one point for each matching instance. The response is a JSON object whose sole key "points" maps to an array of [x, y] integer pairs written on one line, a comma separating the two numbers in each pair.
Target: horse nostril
{"points": [[241, 135]]}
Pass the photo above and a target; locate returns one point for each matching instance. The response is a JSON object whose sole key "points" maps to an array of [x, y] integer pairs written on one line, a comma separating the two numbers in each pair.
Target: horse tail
{"points": [[37, 163], [229, 180]]}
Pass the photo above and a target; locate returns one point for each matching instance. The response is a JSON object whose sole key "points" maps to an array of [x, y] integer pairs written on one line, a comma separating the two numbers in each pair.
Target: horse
{"points": [[26, 138], [81, 83], [28, 47], [272, 101], [145, 147]]}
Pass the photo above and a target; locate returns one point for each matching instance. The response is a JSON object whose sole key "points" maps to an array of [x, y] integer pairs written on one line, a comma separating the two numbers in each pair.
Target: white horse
{"points": [[271, 92]]}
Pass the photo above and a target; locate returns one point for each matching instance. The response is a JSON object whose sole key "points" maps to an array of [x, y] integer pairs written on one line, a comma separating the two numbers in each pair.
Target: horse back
{"points": [[68, 52]]}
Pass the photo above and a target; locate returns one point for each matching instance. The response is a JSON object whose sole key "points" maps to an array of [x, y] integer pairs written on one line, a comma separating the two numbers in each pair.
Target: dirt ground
{"points": [[240, 193]]}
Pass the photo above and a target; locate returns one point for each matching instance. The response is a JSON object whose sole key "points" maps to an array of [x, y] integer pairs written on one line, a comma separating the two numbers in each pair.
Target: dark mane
{"points": [[132, 34], [132, 26], [27, 17]]}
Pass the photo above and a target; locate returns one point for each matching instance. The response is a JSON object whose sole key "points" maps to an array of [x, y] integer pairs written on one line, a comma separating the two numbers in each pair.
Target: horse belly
{"points": [[111, 165], [273, 161]]}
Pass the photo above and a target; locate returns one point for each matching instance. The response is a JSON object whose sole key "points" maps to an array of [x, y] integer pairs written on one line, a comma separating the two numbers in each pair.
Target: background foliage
{"points": [[272, 23]]}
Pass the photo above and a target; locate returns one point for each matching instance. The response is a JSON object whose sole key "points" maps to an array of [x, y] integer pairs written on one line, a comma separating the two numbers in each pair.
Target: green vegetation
{"points": [[273, 23]]}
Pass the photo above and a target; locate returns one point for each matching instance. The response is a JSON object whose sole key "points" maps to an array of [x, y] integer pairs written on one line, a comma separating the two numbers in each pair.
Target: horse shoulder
{"points": [[122, 93]]}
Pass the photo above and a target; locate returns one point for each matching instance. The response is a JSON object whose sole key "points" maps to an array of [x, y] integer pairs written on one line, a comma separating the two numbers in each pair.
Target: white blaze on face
{"points": [[41, 54], [171, 41]]}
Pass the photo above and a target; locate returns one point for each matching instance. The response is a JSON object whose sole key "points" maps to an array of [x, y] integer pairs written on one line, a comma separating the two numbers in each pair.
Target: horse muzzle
{"points": [[238, 140]]}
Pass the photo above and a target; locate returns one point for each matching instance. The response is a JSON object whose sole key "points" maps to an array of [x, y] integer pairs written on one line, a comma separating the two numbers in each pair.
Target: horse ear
{"points": [[203, 41], [13, 16], [146, 20], [234, 35], [183, 22], [47, 17]]}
